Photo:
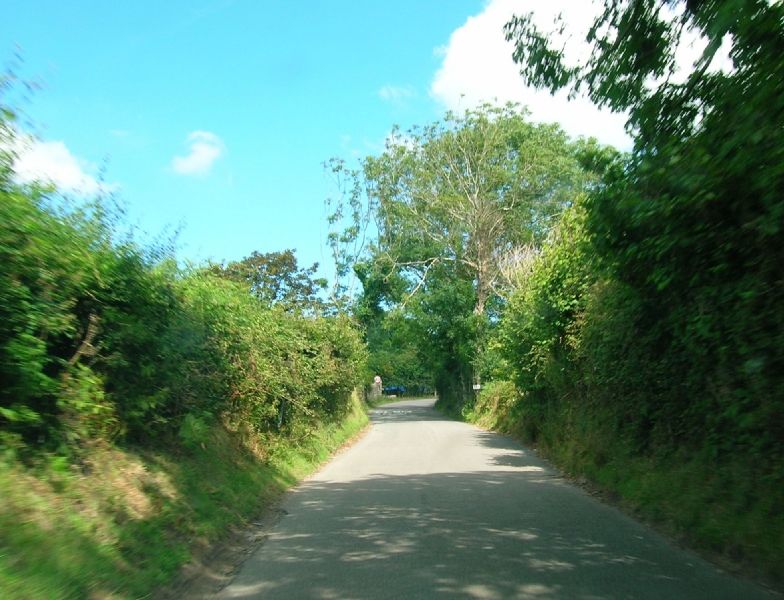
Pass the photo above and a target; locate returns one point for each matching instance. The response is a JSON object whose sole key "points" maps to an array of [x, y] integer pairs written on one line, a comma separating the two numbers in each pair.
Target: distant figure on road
{"points": [[375, 390]]}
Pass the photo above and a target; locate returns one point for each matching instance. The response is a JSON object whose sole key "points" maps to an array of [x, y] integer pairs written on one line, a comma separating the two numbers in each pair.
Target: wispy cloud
{"points": [[53, 163], [396, 93], [204, 148]]}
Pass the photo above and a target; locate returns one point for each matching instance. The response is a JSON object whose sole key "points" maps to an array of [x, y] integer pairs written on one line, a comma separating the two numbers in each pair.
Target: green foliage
{"points": [[195, 429], [448, 331], [452, 203], [634, 64], [606, 397], [391, 334], [137, 309], [657, 344], [689, 229], [267, 370], [468, 189], [102, 339], [275, 278], [50, 271], [497, 406], [538, 330], [123, 524], [395, 354]]}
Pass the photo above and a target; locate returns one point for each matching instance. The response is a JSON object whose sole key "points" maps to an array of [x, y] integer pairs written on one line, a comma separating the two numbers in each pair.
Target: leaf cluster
{"points": [[101, 339], [276, 279], [651, 327]]}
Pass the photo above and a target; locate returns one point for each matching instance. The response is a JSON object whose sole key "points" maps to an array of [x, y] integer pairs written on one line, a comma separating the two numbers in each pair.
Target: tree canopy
{"points": [[452, 204], [699, 201], [469, 190], [634, 64], [276, 278]]}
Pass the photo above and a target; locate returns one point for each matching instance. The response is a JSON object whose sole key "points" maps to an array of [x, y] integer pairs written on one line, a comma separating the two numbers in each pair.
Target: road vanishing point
{"points": [[427, 507]]}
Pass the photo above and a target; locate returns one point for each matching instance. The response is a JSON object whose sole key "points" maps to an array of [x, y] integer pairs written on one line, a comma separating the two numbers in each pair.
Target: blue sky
{"points": [[215, 116]]}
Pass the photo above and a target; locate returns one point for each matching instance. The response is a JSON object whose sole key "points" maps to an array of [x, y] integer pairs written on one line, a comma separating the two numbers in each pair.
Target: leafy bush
{"points": [[636, 374], [101, 338], [538, 331], [265, 369], [497, 405]]}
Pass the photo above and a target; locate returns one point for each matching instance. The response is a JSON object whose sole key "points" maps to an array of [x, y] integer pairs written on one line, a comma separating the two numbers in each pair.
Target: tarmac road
{"points": [[426, 507]]}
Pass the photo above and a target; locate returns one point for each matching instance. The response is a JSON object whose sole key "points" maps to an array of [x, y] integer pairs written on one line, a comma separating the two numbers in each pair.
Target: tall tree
{"points": [[699, 202], [277, 278], [452, 203], [469, 190], [635, 65]]}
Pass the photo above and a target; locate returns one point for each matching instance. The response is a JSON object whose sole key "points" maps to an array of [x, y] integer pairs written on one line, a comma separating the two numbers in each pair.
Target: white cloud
{"points": [[478, 67], [53, 163], [395, 93], [204, 148]]}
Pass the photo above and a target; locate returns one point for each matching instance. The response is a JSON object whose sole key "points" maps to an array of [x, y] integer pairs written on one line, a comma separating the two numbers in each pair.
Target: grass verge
{"points": [[126, 520]]}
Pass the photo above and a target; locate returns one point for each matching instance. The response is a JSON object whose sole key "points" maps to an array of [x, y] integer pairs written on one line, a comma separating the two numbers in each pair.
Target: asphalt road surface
{"points": [[426, 507]]}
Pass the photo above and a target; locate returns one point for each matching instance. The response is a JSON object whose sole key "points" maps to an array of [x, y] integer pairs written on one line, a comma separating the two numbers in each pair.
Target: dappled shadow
{"points": [[407, 410], [519, 533], [507, 452], [493, 521]]}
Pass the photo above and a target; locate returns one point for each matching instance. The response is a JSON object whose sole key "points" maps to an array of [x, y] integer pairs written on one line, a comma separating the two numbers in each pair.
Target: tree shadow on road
{"points": [[405, 411], [514, 532]]}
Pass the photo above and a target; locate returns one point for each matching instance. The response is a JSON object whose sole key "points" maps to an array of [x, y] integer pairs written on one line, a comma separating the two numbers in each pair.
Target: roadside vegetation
{"points": [[124, 522], [146, 408], [620, 311]]}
